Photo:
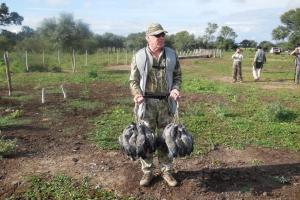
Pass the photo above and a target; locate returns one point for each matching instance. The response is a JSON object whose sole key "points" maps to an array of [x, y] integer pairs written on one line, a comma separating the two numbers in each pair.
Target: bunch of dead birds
{"points": [[139, 141]]}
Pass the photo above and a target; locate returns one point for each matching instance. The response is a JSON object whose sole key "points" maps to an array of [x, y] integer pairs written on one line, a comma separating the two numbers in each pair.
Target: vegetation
{"points": [[63, 187]]}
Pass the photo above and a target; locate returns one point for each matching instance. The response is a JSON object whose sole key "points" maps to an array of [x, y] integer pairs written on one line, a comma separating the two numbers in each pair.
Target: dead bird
{"points": [[169, 137], [124, 139], [187, 139], [141, 141]]}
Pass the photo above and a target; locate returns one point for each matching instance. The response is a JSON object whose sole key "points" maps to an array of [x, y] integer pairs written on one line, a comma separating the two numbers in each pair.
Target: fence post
{"points": [[73, 61], [86, 57], [26, 61], [58, 58], [43, 58], [6, 60], [43, 95], [63, 91]]}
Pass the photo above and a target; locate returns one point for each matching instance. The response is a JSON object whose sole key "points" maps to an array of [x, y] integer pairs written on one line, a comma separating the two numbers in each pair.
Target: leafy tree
{"points": [[291, 27], [25, 32], [248, 43], [225, 44], [209, 34], [184, 41], [227, 33], [7, 18], [65, 33], [135, 40], [280, 33], [266, 45]]}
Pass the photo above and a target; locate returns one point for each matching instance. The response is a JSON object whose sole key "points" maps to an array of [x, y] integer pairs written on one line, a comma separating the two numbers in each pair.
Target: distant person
{"points": [[237, 66], [296, 53], [258, 63], [155, 80]]}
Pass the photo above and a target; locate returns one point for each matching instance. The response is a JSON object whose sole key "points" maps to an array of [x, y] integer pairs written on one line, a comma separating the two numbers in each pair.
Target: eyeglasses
{"points": [[160, 35]]}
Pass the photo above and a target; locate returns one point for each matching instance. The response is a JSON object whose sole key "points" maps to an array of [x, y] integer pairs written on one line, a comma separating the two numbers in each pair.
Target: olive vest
{"points": [[144, 64]]}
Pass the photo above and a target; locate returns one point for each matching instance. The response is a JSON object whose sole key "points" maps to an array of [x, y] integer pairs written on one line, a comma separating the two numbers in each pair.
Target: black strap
{"points": [[156, 96]]}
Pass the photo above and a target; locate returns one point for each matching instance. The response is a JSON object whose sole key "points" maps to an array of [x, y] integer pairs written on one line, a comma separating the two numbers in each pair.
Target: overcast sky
{"points": [[250, 19]]}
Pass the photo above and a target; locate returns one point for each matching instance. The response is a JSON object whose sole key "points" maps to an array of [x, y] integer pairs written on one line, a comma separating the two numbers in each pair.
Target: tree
{"points": [[184, 41], [280, 33], [248, 43], [25, 32], [266, 45], [135, 40], [227, 33], [226, 38], [291, 27], [210, 31], [7, 18], [65, 33]]}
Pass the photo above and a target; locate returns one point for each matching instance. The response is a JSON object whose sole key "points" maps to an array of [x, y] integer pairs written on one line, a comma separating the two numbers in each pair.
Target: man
{"points": [[237, 66], [258, 62], [155, 81], [296, 53]]}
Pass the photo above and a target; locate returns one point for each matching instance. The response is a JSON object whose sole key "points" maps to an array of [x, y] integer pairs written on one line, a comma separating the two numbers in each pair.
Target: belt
{"points": [[156, 96]]}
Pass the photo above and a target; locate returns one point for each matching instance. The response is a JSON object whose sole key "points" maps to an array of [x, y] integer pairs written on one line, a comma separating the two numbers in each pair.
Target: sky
{"points": [[250, 19]]}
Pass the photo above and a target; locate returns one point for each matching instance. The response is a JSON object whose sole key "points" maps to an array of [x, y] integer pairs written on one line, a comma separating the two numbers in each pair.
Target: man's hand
{"points": [[138, 99], [175, 94]]}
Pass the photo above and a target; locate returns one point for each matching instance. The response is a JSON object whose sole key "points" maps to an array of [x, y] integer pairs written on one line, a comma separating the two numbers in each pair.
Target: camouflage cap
{"points": [[155, 29]]}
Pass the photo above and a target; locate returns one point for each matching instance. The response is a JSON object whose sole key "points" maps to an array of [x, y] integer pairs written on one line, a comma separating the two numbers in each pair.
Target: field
{"points": [[247, 135]]}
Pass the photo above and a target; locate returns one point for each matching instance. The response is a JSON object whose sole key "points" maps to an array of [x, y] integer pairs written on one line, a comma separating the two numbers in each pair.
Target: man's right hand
{"points": [[138, 99]]}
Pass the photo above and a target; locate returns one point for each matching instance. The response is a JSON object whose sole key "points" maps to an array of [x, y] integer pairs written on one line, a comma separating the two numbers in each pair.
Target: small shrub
{"points": [[56, 69], [7, 147], [93, 74], [221, 111], [277, 112]]}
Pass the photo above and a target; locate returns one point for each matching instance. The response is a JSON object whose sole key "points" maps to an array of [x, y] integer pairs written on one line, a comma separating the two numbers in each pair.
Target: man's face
{"points": [[156, 42]]}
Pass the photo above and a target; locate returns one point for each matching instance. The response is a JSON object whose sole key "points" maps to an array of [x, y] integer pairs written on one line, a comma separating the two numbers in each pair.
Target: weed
{"points": [[276, 112], [110, 126], [7, 146]]}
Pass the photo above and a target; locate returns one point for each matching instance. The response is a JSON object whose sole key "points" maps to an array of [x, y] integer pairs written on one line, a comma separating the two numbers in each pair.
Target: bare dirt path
{"points": [[45, 149]]}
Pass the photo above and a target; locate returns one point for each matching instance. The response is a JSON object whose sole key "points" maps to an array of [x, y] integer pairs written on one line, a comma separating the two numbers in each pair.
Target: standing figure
{"points": [[296, 53], [258, 63], [155, 81], [237, 66]]}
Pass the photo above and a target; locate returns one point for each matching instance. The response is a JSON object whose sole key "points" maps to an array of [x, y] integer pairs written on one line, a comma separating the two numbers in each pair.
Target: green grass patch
{"points": [[110, 126], [62, 187], [7, 146], [85, 104]]}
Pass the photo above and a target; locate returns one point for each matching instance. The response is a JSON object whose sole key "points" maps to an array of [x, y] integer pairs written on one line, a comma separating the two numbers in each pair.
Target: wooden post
{"points": [[63, 91], [6, 60], [26, 61], [73, 61], [126, 57], [43, 95], [43, 58], [108, 57], [86, 57], [58, 58], [117, 56]]}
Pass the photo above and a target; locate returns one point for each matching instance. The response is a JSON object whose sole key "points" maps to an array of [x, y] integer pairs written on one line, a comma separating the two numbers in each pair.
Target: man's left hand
{"points": [[175, 94]]}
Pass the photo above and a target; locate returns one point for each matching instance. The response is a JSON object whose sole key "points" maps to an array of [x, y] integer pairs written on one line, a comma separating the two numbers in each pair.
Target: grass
{"points": [[62, 187], [7, 146], [84, 104], [110, 125], [219, 114]]}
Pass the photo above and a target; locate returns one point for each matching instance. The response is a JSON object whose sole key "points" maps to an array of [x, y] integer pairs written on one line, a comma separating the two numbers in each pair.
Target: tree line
{"points": [[67, 33]]}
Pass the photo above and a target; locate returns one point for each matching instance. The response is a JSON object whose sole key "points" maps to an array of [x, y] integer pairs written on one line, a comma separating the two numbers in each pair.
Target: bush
{"points": [[7, 146], [277, 112], [93, 74]]}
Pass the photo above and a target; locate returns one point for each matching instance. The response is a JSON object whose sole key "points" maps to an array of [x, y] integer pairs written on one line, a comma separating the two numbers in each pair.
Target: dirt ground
{"points": [[45, 149]]}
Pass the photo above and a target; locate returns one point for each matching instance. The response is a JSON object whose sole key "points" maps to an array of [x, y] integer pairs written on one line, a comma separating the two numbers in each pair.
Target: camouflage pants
{"points": [[157, 116], [237, 71]]}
